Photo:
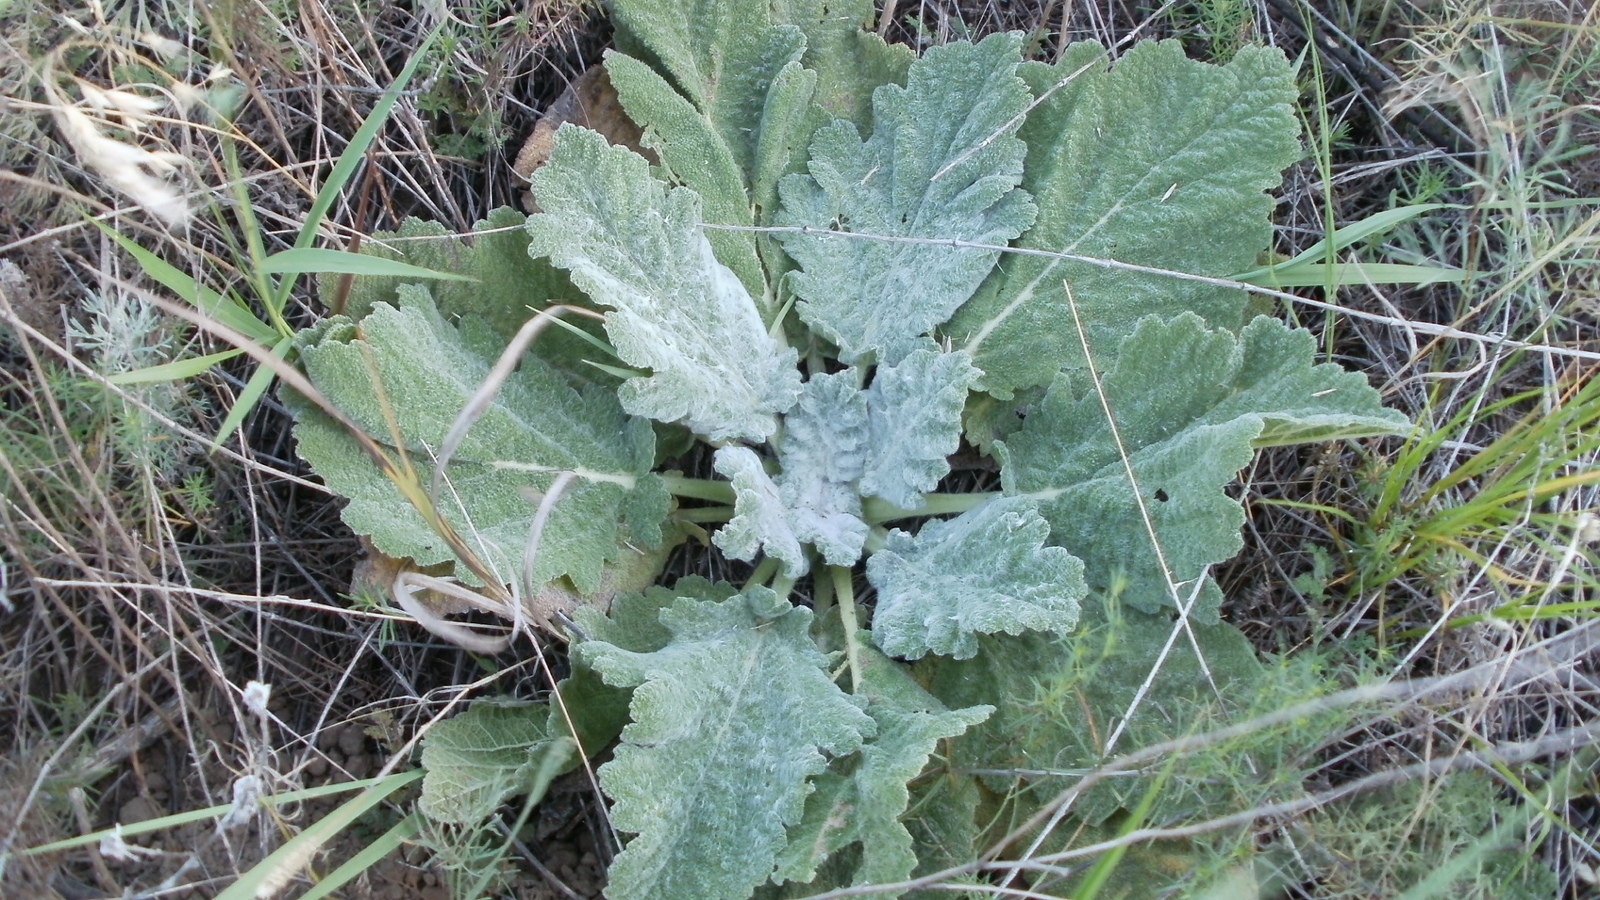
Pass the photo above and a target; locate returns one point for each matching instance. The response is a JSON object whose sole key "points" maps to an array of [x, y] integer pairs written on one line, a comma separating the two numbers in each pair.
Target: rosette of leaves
{"points": [[816, 280]]}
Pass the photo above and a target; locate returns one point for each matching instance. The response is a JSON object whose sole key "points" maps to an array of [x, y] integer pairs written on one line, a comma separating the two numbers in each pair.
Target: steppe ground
{"points": [[146, 579]]}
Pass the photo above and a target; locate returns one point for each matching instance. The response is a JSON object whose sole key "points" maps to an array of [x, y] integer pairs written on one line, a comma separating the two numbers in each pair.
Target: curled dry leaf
{"points": [[590, 101]]}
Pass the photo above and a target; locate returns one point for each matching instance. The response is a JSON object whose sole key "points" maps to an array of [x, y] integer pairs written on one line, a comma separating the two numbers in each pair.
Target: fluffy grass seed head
{"points": [[128, 168]]}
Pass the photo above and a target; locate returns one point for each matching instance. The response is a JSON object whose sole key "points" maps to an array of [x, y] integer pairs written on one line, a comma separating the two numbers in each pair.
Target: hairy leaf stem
{"points": [[705, 514], [877, 511], [699, 488], [821, 600], [763, 571], [844, 590], [783, 585]]}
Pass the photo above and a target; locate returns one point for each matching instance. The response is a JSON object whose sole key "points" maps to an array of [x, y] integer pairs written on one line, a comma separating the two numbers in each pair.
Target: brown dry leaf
{"points": [[589, 101]]}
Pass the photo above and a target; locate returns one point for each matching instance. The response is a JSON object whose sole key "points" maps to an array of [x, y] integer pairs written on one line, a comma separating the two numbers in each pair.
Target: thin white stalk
{"points": [[1428, 328]]}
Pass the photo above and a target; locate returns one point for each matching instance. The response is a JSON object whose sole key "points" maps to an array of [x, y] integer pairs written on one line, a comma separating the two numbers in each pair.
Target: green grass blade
{"points": [[1104, 867], [1319, 274], [346, 165], [196, 815], [174, 371], [227, 309], [255, 249], [1371, 226], [305, 260], [1294, 272], [251, 395], [274, 872], [366, 859], [616, 371], [579, 332]]}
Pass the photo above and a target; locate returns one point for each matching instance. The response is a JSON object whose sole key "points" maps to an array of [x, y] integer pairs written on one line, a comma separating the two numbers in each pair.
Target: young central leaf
{"points": [[813, 500], [915, 422], [636, 247], [1186, 438], [823, 451], [730, 720], [762, 521], [943, 162], [983, 572]]}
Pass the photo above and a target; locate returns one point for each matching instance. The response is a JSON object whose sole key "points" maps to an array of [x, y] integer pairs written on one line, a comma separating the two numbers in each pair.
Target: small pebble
{"points": [[352, 740], [359, 766], [139, 809]]}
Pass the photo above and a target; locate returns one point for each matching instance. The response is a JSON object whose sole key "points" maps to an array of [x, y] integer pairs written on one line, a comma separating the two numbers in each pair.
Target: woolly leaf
{"points": [[944, 826], [598, 711], [509, 281], [850, 62], [988, 419], [638, 248], [825, 435], [943, 162], [835, 79], [915, 424], [761, 520], [741, 115], [697, 154], [634, 620], [983, 572], [1058, 701], [1161, 161], [813, 500], [1186, 439], [511, 285], [786, 128], [591, 712], [721, 56], [866, 805], [491, 752], [823, 451], [730, 721], [406, 371]]}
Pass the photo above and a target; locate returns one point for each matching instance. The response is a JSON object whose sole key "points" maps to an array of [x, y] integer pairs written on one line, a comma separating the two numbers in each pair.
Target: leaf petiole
{"points": [[698, 488], [821, 600], [844, 590], [763, 571], [876, 510], [783, 585], [705, 514]]}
